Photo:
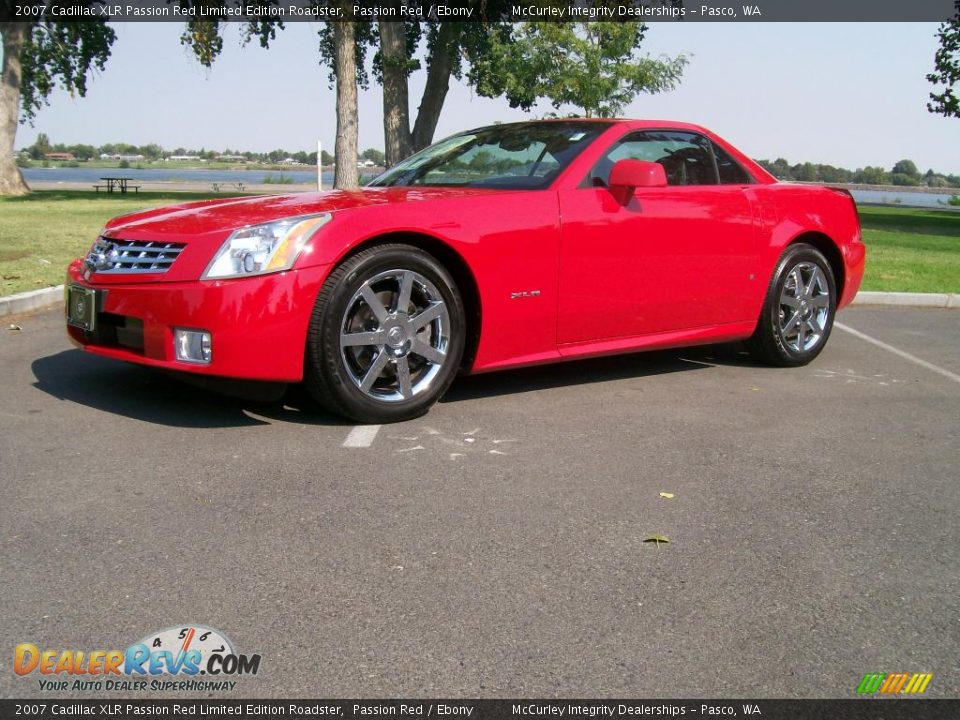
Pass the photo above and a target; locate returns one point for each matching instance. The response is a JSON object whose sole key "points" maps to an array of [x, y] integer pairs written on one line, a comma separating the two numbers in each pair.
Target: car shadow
{"points": [[163, 398], [596, 370], [186, 401]]}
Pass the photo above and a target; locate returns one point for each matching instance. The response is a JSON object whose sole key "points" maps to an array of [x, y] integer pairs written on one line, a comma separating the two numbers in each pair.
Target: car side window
{"points": [[686, 157], [528, 159], [729, 169]]}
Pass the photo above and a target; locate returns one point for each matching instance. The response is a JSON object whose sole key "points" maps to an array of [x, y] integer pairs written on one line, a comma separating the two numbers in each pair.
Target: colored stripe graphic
{"points": [[894, 683], [870, 684]]}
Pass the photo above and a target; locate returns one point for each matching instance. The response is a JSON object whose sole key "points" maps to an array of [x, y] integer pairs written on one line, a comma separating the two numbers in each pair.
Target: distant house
{"points": [[366, 163], [231, 158], [60, 156], [187, 158]]}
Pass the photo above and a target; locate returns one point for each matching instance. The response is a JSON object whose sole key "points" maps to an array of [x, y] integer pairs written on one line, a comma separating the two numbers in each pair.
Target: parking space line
{"points": [[361, 436], [901, 353]]}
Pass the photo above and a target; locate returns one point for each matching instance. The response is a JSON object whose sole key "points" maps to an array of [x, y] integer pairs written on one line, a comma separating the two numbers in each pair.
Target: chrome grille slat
{"points": [[113, 255]]}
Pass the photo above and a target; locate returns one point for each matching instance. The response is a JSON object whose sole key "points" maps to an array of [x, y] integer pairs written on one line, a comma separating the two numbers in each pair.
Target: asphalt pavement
{"points": [[496, 547]]}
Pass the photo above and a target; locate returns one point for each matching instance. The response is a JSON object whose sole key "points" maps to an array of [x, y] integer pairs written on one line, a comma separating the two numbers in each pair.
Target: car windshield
{"points": [[522, 156]]}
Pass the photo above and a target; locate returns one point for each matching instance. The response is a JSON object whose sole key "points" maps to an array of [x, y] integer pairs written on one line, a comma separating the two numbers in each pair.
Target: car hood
{"points": [[211, 220]]}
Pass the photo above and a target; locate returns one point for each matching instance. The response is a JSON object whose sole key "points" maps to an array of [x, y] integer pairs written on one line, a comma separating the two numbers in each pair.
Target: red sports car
{"points": [[509, 245]]}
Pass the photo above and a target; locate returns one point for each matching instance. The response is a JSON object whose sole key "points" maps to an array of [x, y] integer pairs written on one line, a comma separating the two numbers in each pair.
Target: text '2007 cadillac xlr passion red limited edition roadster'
{"points": [[510, 245]]}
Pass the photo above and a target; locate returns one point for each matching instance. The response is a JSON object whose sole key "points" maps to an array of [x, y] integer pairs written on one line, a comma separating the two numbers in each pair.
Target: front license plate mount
{"points": [[82, 307]]}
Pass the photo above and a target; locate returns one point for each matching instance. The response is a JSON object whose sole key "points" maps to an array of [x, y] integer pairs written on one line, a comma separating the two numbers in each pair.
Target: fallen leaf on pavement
{"points": [[657, 539], [668, 496], [16, 327]]}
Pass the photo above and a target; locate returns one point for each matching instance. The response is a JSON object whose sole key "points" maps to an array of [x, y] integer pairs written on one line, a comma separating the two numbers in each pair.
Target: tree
{"points": [[946, 74], [906, 167], [595, 66], [807, 172], [374, 156], [449, 48], [40, 147], [345, 173], [898, 178], [37, 57], [342, 47], [871, 176]]}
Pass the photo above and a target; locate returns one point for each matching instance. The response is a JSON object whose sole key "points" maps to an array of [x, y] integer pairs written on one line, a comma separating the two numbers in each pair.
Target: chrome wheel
{"points": [[804, 307], [394, 335]]}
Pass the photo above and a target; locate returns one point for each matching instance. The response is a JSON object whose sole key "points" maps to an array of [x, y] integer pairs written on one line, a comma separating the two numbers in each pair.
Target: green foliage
{"points": [[205, 38], [60, 53], [376, 156], [40, 147], [904, 173], [899, 178], [954, 200], [594, 66], [906, 167], [872, 176], [946, 75]]}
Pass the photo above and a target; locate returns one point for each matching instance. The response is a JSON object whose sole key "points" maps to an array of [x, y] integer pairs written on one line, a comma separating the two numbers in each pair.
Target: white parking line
{"points": [[361, 436], [901, 353]]}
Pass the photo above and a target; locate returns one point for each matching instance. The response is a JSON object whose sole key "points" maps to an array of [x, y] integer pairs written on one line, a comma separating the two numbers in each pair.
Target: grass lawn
{"points": [[911, 250], [908, 249], [42, 232]]}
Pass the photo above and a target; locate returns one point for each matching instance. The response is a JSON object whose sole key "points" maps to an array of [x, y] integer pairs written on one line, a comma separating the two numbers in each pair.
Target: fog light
{"points": [[192, 345]]}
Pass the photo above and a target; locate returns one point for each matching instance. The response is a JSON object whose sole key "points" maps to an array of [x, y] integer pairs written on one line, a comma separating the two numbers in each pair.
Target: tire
{"points": [[796, 319], [368, 358]]}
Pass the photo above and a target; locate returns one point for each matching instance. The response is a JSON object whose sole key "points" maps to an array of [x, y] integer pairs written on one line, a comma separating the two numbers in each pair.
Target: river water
{"points": [[307, 177]]}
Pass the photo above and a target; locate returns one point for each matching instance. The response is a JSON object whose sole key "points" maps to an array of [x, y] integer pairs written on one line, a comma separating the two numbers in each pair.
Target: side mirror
{"points": [[629, 174]]}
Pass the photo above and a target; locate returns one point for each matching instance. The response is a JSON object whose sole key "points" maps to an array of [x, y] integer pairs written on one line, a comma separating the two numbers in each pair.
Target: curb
{"points": [[929, 300], [46, 297], [33, 300]]}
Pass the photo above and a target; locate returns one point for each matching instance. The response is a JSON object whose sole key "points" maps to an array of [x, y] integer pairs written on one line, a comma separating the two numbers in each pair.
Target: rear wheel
{"points": [[386, 336], [798, 311]]}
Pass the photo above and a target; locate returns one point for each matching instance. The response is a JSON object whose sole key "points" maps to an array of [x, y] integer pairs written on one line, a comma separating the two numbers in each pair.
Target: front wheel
{"points": [[798, 311], [386, 336]]}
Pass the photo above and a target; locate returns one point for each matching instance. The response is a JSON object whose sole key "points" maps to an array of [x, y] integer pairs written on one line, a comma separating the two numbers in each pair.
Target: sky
{"points": [[844, 94]]}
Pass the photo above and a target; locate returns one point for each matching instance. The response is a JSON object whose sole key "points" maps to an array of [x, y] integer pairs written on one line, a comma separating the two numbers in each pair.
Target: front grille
{"points": [[111, 255]]}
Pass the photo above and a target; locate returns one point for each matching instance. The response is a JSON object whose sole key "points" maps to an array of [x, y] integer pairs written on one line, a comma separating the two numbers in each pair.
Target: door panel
{"points": [[670, 259]]}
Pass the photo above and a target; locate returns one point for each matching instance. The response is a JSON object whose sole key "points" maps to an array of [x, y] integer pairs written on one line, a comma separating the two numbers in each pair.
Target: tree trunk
{"points": [[438, 82], [13, 35], [345, 175], [396, 97]]}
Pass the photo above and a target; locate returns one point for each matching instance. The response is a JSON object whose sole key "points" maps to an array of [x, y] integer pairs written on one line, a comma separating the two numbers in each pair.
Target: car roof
{"points": [[638, 123]]}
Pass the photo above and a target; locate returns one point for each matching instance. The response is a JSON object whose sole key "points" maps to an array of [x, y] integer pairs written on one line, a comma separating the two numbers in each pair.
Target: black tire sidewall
{"points": [[770, 327], [350, 400]]}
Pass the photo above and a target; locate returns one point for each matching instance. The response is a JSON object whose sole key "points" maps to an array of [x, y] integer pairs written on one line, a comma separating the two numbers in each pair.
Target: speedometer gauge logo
{"points": [[188, 650]]}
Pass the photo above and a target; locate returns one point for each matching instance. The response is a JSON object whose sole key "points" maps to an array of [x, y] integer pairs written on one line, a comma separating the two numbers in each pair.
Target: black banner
{"points": [[864, 709], [479, 10]]}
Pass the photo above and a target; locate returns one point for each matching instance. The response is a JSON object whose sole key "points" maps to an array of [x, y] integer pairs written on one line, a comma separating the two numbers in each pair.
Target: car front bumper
{"points": [[258, 325]]}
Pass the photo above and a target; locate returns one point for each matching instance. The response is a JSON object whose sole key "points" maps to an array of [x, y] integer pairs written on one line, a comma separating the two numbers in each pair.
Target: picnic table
{"points": [[117, 183], [218, 185]]}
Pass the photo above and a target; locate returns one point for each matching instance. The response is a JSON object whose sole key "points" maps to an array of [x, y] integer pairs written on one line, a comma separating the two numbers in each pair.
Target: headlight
{"points": [[267, 248]]}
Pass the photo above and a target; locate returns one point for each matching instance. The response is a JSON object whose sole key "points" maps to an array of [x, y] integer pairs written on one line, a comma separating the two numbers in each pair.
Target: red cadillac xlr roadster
{"points": [[510, 245]]}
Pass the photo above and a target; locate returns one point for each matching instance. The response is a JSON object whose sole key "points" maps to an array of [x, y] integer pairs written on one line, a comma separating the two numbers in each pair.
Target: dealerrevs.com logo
{"points": [[172, 659]]}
